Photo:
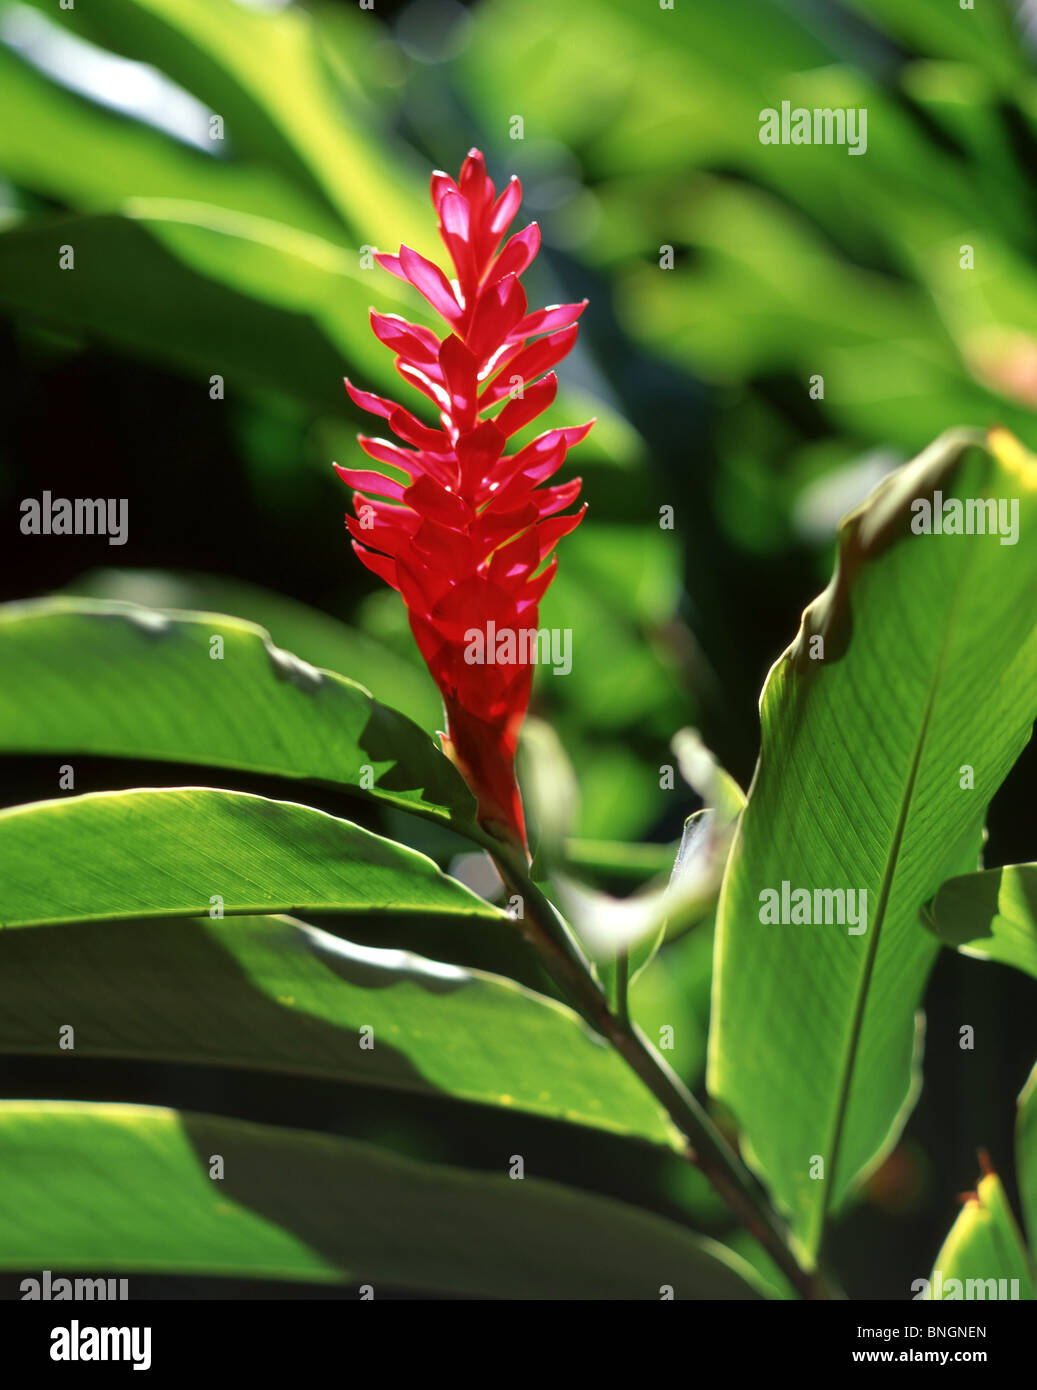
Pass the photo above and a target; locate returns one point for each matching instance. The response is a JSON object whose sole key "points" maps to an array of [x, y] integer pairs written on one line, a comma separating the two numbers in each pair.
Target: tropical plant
{"points": [[375, 1009]]}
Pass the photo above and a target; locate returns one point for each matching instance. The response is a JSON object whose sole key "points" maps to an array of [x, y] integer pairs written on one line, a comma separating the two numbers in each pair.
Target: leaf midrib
{"points": [[892, 859]]}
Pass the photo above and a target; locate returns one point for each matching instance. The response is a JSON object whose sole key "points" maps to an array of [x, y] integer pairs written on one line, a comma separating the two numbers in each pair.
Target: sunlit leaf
{"points": [[991, 915], [919, 659], [314, 636], [134, 682], [983, 1256], [182, 851]]}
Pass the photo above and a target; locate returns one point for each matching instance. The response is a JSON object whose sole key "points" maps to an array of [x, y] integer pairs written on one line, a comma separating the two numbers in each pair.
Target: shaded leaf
{"points": [[298, 1205], [193, 285], [273, 994]]}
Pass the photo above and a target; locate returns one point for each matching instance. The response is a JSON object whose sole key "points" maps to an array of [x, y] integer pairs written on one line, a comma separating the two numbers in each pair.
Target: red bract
{"points": [[465, 534]]}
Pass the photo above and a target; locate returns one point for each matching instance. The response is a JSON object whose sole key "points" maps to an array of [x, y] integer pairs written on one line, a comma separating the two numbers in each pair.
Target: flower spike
{"points": [[464, 535]]}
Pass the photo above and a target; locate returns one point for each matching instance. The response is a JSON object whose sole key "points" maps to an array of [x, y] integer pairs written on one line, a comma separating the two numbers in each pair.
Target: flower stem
{"points": [[622, 1008], [707, 1148]]}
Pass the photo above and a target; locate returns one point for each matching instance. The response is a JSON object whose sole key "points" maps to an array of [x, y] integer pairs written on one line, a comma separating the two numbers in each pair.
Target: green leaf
{"points": [[626, 933], [1026, 1154], [623, 934], [619, 858], [127, 1188], [670, 1001], [263, 74], [984, 1245], [780, 278], [56, 143], [279, 309], [991, 915], [929, 663], [114, 679], [932, 28], [170, 852], [190, 284], [312, 634], [274, 994]]}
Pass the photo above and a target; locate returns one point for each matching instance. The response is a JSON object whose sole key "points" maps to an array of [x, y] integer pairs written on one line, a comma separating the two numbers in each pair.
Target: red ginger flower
{"points": [[465, 537]]}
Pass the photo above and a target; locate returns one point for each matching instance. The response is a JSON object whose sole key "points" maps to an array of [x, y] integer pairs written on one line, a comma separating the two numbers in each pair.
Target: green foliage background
{"points": [[241, 258]]}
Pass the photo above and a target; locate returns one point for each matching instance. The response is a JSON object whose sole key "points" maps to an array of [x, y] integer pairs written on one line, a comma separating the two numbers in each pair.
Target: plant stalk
{"points": [[707, 1148]]}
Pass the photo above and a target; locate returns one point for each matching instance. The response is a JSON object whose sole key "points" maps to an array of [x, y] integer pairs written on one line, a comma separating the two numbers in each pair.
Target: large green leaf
{"points": [[984, 1247], [115, 679], [929, 664], [172, 852], [992, 915], [126, 1188], [274, 994]]}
